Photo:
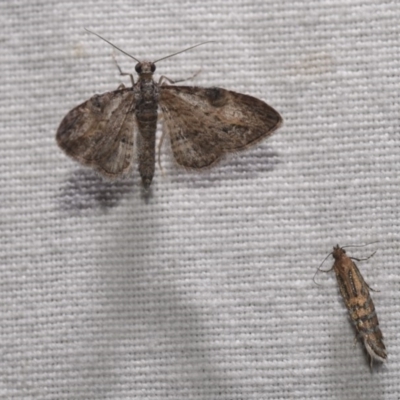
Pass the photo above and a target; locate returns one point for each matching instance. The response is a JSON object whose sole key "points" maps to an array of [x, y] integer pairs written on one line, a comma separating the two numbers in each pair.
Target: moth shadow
{"points": [[181, 327], [235, 166], [85, 189]]}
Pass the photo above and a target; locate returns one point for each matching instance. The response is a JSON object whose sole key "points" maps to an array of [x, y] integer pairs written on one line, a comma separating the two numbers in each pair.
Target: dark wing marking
{"points": [[99, 132], [203, 124]]}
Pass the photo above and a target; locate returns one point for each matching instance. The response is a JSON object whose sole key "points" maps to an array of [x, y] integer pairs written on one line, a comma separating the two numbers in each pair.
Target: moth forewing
{"points": [[356, 296], [95, 134], [203, 125]]}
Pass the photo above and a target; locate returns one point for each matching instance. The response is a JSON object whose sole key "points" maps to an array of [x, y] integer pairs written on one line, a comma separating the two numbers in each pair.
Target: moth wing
{"points": [[203, 124], [99, 132], [365, 286]]}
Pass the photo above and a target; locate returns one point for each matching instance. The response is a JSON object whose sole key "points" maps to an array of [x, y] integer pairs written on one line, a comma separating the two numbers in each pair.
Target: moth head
{"points": [[145, 67], [338, 252]]}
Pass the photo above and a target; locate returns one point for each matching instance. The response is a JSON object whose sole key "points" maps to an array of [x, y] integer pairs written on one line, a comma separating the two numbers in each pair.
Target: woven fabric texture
{"points": [[204, 289]]}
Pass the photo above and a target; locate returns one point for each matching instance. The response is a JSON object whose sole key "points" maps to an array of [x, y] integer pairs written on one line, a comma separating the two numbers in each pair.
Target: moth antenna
{"points": [[360, 245], [182, 51], [319, 269], [113, 45]]}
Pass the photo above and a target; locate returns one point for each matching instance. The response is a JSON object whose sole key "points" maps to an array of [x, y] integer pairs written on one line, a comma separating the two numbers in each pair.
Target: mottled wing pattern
{"points": [[99, 132], [203, 124]]}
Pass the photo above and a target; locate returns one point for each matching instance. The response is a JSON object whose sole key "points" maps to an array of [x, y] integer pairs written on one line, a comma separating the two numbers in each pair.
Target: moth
{"points": [[356, 296], [202, 123]]}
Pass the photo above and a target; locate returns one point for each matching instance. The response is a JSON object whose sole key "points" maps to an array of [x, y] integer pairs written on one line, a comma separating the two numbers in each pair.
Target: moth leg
{"points": [[370, 288], [163, 77], [121, 72], [365, 259], [164, 132], [355, 339], [321, 270]]}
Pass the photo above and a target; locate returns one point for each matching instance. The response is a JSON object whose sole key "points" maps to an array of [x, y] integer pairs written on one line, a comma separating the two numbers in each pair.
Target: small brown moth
{"points": [[203, 124], [355, 293]]}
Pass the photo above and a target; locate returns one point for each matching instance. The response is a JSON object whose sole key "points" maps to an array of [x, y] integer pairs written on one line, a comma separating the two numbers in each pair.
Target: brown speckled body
{"points": [[356, 296], [146, 93]]}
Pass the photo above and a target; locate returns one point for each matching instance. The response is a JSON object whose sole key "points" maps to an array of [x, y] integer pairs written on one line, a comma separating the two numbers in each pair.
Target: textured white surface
{"points": [[205, 291]]}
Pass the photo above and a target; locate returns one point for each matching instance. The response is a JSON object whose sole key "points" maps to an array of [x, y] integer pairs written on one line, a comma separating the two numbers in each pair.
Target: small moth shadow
{"points": [[234, 166], [85, 189]]}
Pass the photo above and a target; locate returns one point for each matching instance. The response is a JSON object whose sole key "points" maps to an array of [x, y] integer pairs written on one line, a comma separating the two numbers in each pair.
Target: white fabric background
{"points": [[205, 290]]}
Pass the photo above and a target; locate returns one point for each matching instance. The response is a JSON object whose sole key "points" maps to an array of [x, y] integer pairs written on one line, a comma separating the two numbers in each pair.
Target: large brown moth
{"points": [[203, 124]]}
